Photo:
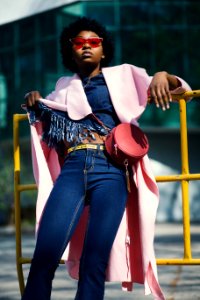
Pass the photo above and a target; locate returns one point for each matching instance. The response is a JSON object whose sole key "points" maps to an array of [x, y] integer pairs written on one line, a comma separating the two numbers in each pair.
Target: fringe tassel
{"points": [[58, 126]]}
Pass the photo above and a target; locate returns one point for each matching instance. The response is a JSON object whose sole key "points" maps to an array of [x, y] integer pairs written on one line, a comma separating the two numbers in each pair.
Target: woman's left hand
{"points": [[159, 89]]}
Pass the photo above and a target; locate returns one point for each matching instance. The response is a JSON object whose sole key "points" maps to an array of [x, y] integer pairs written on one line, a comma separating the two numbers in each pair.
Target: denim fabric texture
{"points": [[99, 99], [88, 177]]}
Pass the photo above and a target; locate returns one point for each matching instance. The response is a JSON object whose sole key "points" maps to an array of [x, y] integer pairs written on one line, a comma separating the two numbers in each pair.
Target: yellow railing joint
{"points": [[26, 187], [178, 177]]}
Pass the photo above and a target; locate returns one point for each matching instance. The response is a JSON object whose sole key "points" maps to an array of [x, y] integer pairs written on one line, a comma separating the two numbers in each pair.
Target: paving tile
{"points": [[178, 282]]}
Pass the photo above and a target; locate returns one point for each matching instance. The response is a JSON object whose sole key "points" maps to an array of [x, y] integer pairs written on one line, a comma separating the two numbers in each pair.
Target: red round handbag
{"points": [[126, 144]]}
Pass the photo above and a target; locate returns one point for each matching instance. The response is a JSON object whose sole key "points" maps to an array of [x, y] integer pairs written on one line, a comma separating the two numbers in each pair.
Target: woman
{"points": [[89, 209]]}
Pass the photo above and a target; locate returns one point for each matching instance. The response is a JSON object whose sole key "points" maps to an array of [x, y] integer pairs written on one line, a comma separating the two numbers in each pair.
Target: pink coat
{"points": [[132, 256]]}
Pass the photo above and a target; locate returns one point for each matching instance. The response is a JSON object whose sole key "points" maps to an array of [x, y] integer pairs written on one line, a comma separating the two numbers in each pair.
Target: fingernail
{"points": [[163, 108]]}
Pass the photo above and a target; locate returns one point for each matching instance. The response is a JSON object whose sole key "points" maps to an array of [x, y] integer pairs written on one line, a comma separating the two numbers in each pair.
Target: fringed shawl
{"points": [[58, 127]]}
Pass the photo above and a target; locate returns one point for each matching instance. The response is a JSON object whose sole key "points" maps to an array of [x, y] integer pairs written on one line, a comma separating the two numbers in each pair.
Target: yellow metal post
{"points": [[16, 119], [185, 182]]}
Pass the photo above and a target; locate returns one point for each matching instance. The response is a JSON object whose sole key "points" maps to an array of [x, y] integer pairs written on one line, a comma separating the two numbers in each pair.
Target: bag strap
{"points": [[100, 122]]}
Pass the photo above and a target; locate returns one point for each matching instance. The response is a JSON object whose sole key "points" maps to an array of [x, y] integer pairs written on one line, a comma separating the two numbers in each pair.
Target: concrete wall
{"points": [[165, 157]]}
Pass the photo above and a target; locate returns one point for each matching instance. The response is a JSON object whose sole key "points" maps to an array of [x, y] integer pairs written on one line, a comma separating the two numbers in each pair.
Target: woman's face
{"points": [[87, 50]]}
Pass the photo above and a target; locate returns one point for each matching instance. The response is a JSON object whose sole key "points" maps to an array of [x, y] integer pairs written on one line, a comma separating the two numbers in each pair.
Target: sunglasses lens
{"points": [[94, 42], [79, 42]]}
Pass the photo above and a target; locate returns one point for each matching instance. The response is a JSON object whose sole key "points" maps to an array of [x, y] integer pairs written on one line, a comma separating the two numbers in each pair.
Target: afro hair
{"points": [[83, 23]]}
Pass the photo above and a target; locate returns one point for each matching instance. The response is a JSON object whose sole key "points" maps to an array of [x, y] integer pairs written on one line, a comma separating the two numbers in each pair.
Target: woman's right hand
{"points": [[32, 97]]}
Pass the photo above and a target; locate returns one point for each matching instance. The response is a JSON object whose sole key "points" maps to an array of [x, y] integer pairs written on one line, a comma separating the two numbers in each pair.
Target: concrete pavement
{"points": [[178, 282]]}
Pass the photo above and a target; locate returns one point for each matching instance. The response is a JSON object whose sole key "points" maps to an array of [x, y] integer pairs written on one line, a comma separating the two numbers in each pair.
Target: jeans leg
{"points": [[107, 193], [59, 219]]}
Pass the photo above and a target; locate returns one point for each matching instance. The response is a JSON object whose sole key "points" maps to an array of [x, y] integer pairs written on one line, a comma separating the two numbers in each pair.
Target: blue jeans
{"points": [[88, 177]]}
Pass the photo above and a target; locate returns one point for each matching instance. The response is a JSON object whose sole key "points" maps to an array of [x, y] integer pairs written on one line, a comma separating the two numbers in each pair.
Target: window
{"points": [[3, 101], [156, 35]]}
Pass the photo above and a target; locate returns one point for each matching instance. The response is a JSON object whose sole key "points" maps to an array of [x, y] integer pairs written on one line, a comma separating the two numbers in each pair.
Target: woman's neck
{"points": [[89, 73]]}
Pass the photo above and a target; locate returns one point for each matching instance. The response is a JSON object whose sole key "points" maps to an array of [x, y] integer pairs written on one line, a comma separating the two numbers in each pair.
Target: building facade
{"points": [[156, 35]]}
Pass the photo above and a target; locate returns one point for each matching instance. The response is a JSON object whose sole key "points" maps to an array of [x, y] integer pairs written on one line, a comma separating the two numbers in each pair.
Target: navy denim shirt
{"points": [[99, 99]]}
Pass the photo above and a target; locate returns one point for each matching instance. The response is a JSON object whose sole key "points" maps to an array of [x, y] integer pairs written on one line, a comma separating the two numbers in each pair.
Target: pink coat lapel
{"points": [[76, 100], [128, 90], [127, 86]]}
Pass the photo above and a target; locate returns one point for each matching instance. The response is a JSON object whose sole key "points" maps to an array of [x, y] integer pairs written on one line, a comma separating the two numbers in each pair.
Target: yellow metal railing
{"points": [[18, 188], [184, 178]]}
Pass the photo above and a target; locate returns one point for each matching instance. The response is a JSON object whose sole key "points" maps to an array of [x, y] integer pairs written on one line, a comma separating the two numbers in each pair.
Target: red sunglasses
{"points": [[78, 42]]}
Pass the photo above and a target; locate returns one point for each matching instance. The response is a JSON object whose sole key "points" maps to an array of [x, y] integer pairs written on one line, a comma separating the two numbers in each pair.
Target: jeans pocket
{"points": [[69, 155]]}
